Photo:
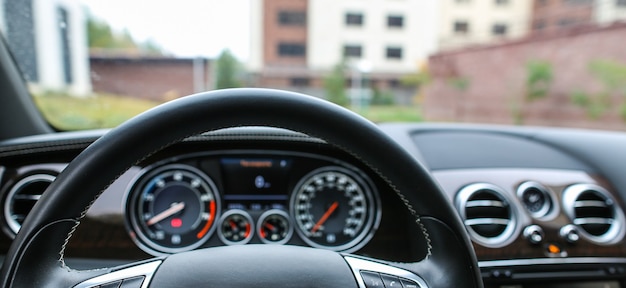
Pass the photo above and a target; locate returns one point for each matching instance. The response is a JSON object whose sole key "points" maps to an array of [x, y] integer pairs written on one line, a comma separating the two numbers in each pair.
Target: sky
{"points": [[185, 28]]}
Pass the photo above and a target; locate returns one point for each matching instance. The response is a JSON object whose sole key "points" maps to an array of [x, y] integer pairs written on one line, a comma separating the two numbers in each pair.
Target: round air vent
{"points": [[487, 214], [22, 197], [595, 212]]}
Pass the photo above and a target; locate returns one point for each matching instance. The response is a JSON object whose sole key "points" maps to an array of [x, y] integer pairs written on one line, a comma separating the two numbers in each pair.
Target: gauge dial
{"points": [[235, 227], [535, 198], [335, 209], [172, 209], [274, 227]]}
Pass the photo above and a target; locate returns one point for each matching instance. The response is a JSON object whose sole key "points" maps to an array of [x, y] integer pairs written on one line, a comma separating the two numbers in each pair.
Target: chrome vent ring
{"points": [[595, 212], [22, 197], [487, 213]]}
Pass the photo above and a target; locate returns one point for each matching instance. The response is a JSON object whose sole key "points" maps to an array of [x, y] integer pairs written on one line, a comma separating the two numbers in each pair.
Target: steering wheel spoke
{"points": [[369, 273], [135, 276]]}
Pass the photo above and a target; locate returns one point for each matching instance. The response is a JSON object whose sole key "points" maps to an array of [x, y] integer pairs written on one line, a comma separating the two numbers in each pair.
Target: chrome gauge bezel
{"points": [[135, 229], [372, 211], [231, 212], [549, 210], [272, 212]]}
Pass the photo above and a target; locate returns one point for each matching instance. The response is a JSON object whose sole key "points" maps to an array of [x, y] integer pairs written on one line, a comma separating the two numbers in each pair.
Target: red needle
{"points": [[269, 226], [232, 225], [330, 210]]}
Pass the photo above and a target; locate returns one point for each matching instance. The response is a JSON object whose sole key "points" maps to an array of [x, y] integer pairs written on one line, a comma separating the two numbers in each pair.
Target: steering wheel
{"points": [[35, 257]]}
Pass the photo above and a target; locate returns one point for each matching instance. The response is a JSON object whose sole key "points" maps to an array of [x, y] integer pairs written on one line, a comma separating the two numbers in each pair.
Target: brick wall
{"points": [[158, 79], [488, 84]]}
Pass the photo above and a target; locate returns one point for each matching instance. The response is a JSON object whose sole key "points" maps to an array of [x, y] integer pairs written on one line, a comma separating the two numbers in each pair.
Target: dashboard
{"points": [[543, 206], [243, 186]]}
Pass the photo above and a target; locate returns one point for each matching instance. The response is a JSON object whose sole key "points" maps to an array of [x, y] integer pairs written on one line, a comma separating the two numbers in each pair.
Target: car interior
{"points": [[263, 187]]}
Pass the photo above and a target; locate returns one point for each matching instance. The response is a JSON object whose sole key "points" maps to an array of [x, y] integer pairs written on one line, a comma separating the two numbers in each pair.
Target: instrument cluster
{"points": [[240, 197]]}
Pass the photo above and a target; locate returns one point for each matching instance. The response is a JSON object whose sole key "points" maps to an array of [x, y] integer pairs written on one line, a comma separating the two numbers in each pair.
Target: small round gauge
{"points": [[235, 227], [335, 209], [274, 227], [535, 198], [172, 209]]}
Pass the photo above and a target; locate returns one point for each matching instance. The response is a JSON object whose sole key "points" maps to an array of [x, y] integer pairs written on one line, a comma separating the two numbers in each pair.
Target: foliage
{"points": [[100, 35], [612, 75], [228, 71], [539, 77], [382, 97], [335, 85], [459, 83], [420, 78]]}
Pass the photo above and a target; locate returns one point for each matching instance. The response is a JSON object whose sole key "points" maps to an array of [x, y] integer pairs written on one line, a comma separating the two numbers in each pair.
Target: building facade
{"points": [[49, 44], [296, 42], [470, 22], [551, 15]]}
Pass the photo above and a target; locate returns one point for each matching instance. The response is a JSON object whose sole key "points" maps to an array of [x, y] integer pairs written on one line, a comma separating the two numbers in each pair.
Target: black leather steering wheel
{"points": [[36, 255]]}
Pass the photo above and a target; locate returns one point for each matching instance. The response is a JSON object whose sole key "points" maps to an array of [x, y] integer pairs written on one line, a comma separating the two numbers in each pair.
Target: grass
{"points": [[391, 113], [99, 111], [107, 111]]}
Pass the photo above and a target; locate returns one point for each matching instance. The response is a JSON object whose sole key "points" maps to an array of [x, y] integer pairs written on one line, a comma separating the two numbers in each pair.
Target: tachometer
{"points": [[172, 209], [334, 208]]}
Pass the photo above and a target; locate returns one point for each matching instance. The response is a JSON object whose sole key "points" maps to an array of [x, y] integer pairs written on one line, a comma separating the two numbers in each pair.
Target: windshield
{"points": [[94, 64]]}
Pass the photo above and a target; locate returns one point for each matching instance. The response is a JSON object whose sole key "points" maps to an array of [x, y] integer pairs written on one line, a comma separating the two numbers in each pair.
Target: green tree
{"points": [[538, 79], [100, 35], [335, 85], [612, 75], [227, 70]]}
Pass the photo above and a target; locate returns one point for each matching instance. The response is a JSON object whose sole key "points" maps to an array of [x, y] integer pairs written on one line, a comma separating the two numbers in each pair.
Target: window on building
{"points": [[539, 24], [567, 22], [66, 53], [355, 51], [579, 2], [499, 29], [461, 27], [395, 21], [292, 18], [291, 49], [621, 3], [394, 53], [354, 19], [393, 83], [502, 2], [299, 82]]}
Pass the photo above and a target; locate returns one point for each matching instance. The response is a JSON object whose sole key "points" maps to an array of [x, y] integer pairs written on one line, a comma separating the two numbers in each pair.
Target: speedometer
{"points": [[334, 208], [172, 209]]}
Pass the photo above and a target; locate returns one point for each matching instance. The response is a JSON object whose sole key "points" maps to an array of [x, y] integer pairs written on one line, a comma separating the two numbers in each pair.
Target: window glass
{"points": [[354, 51], [395, 21], [354, 19], [499, 29], [394, 53], [461, 27], [291, 49], [292, 18]]}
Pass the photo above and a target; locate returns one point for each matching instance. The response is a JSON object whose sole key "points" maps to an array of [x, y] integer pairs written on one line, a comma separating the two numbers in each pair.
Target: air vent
{"points": [[22, 197], [487, 214], [595, 212]]}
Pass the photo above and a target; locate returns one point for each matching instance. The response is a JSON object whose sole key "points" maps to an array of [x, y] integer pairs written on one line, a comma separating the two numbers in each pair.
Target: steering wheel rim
{"points": [[36, 255]]}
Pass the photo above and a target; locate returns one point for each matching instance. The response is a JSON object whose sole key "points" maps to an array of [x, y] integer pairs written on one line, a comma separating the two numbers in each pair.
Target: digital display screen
{"points": [[255, 179]]}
